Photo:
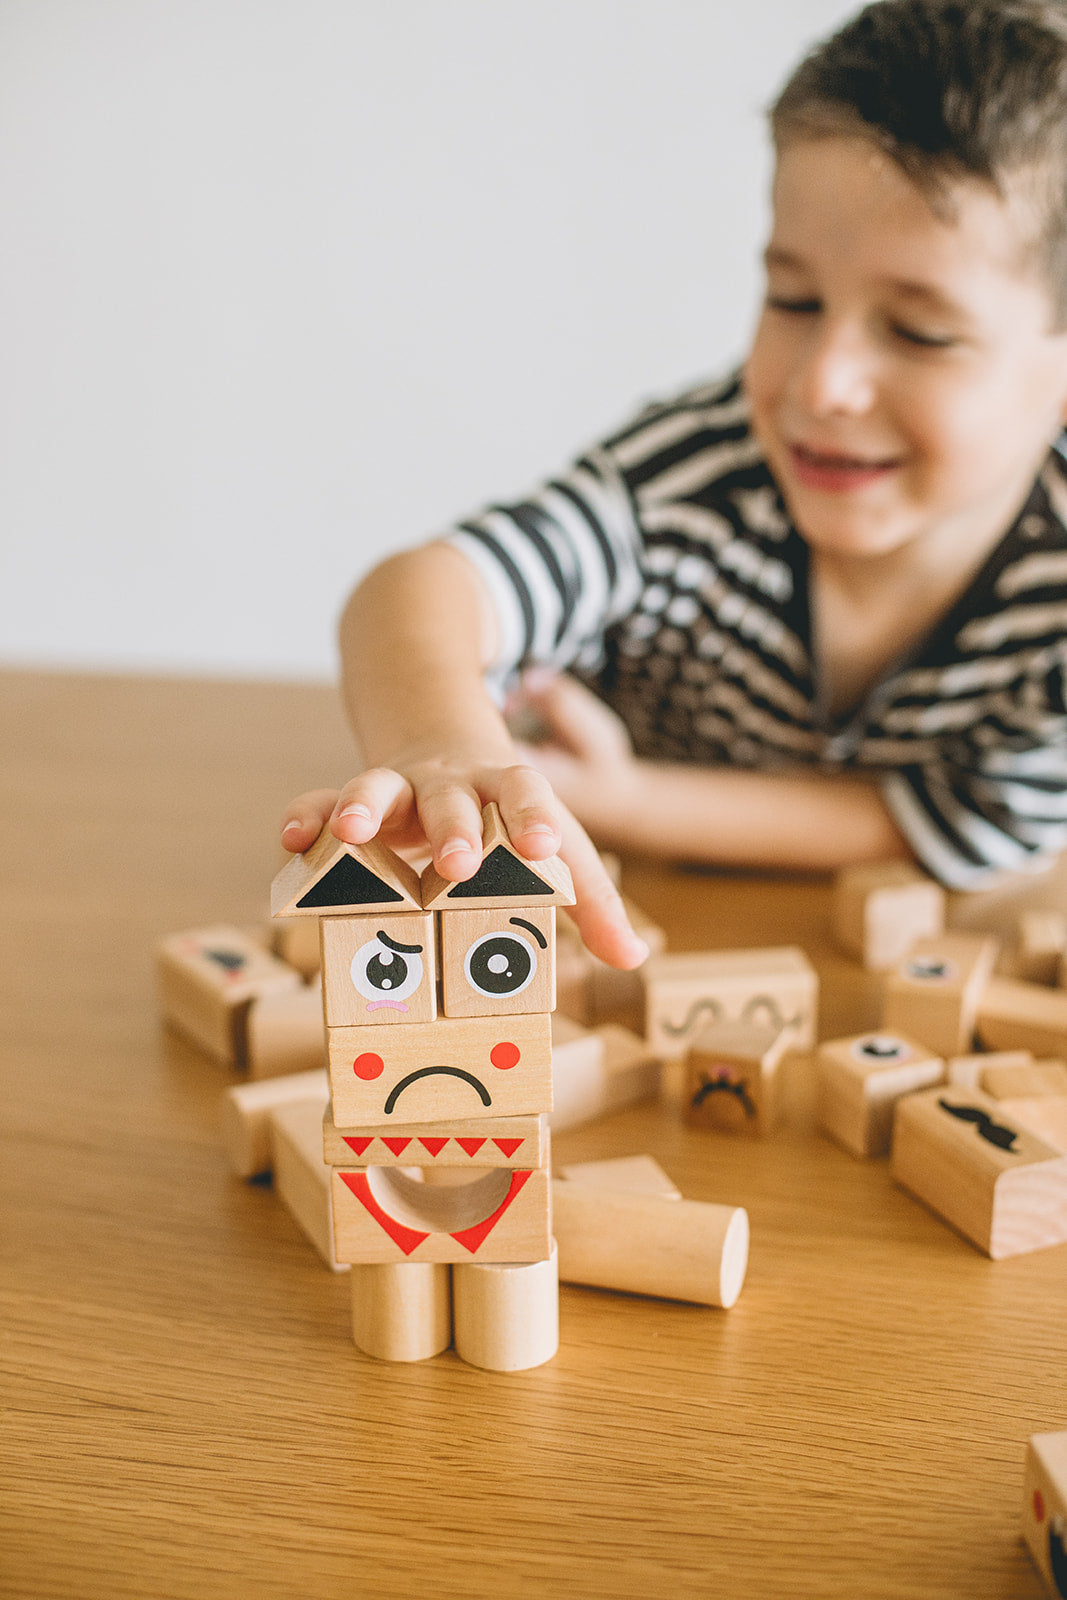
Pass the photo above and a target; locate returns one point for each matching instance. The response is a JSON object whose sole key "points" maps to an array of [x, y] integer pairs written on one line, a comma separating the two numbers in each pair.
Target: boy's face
{"points": [[906, 377]]}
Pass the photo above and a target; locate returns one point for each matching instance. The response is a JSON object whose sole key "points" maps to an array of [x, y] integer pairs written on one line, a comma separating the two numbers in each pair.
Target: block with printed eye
{"points": [[378, 969], [497, 963]]}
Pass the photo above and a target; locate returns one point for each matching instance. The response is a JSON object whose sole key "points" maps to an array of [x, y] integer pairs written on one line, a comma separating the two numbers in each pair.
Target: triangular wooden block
{"points": [[504, 880], [333, 878]]}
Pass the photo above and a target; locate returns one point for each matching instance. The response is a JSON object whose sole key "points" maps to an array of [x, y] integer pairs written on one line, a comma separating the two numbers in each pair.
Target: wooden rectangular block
{"points": [[617, 996], [301, 1177], [295, 940], [245, 1115], [628, 1174], [497, 963], [386, 1214], [775, 986], [469, 1144], [378, 970], [966, 1071], [731, 1072], [456, 1067], [207, 980], [861, 1080], [574, 976], [879, 909], [1041, 942], [1045, 1507], [1000, 1186], [1023, 1016], [598, 1072], [1006, 1081], [285, 1032], [934, 993]]}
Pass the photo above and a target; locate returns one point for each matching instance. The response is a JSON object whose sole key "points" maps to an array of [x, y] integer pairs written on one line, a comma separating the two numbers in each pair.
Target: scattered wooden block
{"points": [[464, 1145], [934, 993], [454, 1068], [643, 1244], [775, 986], [1040, 947], [285, 1033], [334, 878], [616, 996], [296, 942], [379, 970], [1000, 1186], [402, 1311], [1023, 1016], [301, 1178], [1045, 1116], [498, 963], [731, 1073], [208, 978], [880, 909], [966, 1071], [575, 966], [384, 1214], [1026, 1081], [861, 1080], [598, 1072], [630, 1174], [507, 1315], [1045, 1507], [245, 1116], [505, 880]]}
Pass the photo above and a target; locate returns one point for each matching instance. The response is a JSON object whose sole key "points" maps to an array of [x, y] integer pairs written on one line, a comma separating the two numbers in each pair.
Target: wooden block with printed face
{"points": [[731, 1070], [772, 987], [1045, 1508], [881, 908], [467, 1145], [860, 1081], [384, 1214], [505, 880], [379, 969], [454, 1068], [497, 963], [1013, 1015], [935, 992], [209, 977], [1002, 1187]]}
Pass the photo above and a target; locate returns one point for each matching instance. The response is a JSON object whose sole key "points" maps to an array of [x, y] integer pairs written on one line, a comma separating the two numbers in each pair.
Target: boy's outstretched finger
{"points": [[376, 796], [599, 913], [530, 812], [305, 817]]}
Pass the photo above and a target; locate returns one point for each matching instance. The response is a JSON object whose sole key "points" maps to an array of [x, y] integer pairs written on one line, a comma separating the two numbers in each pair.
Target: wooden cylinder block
{"points": [[507, 1316], [402, 1311], [678, 1249]]}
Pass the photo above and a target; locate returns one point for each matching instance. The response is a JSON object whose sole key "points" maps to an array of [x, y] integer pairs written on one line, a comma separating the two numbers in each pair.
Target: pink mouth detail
{"points": [[836, 473], [386, 1005]]}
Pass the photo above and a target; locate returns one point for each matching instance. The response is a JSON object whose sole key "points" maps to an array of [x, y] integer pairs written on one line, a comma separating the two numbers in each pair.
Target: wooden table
{"points": [[183, 1414]]}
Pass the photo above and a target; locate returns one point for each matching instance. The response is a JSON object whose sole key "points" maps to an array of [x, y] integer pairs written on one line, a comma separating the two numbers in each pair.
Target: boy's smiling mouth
{"points": [[835, 471]]}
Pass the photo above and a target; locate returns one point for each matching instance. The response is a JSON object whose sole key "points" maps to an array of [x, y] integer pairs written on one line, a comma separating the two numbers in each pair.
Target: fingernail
{"points": [[639, 944], [289, 826], [455, 847], [355, 811], [542, 828]]}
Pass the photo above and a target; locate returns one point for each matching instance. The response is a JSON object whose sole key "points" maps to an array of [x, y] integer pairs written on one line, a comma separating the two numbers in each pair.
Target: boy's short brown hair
{"points": [[951, 90]]}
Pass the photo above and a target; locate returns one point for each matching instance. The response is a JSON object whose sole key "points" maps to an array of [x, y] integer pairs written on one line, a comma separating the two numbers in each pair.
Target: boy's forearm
{"points": [[416, 637], [733, 817]]}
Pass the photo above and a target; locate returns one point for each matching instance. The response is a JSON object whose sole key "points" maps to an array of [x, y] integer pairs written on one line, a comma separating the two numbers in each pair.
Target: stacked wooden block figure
{"points": [[437, 1000]]}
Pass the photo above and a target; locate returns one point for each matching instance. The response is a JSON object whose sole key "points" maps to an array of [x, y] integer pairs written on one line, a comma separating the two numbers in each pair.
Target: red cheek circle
{"points": [[368, 1065], [1039, 1506], [504, 1055]]}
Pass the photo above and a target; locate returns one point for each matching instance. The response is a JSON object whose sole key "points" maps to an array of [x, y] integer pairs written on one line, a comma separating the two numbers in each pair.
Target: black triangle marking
{"points": [[500, 873], [348, 883]]}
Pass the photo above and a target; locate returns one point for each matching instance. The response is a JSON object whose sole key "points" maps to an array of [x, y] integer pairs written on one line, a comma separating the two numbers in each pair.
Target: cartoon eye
{"points": [[384, 970], [879, 1047], [501, 964]]}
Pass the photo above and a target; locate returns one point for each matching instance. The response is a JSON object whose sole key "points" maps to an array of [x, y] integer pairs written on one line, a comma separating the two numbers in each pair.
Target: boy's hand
{"points": [[588, 757], [440, 808]]}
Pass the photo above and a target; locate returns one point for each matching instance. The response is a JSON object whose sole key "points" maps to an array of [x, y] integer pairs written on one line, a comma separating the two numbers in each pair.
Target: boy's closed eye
{"points": [[808, 305]]}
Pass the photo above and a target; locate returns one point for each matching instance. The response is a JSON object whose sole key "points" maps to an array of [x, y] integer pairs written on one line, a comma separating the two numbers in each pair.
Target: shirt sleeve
{"points": [[561, 566]]}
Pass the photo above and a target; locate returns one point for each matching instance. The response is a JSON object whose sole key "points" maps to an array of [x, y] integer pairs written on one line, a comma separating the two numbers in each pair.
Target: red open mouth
{"points": [[835, 471]]}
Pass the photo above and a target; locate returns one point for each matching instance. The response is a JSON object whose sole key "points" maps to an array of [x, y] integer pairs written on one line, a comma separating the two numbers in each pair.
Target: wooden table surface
{"points": [[182, 1412]]}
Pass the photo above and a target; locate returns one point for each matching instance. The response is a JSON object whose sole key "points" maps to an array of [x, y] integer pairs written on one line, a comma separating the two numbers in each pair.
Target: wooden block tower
{"points": [[437, 1000]]}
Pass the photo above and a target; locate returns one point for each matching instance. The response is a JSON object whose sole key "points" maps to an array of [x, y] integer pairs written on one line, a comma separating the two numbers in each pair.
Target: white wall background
{"points": [[285, 284]]}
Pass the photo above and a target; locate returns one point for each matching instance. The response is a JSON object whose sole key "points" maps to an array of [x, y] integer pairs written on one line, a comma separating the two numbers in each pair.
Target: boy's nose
{"points": [[836, 375]]}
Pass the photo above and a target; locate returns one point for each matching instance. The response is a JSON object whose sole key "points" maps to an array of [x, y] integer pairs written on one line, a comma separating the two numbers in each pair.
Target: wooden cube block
{"points": [[456, 1067], [1045, 1507], [1023, 1016], [285, 1032], [506, 1315], [630, 1174], [999, 1185], [208, 978], [378, 970], [295, 940], [934, 993], [731, 1070], [384, 1214], [598, 1072], [473, 1143], [773, 986], [301, 1177], [497, 963], [245, 1115], [333, 878], [860, 1081], [1041, 944], [880, 909]]}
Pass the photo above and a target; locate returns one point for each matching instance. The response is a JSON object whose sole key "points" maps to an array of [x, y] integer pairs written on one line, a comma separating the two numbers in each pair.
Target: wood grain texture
{"points": [[185, 1415]]}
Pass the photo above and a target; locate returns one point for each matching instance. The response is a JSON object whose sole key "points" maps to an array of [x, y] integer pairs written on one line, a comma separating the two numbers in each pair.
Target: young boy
{"points": [[819, 609]]}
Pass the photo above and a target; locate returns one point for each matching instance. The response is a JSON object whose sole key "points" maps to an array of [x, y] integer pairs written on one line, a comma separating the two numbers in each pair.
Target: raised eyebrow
{"points": [[521, 922], [401, 949]]}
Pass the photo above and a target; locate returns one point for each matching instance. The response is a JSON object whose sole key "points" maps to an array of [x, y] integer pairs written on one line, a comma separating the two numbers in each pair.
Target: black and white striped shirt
{"points": [[664, 570]]}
